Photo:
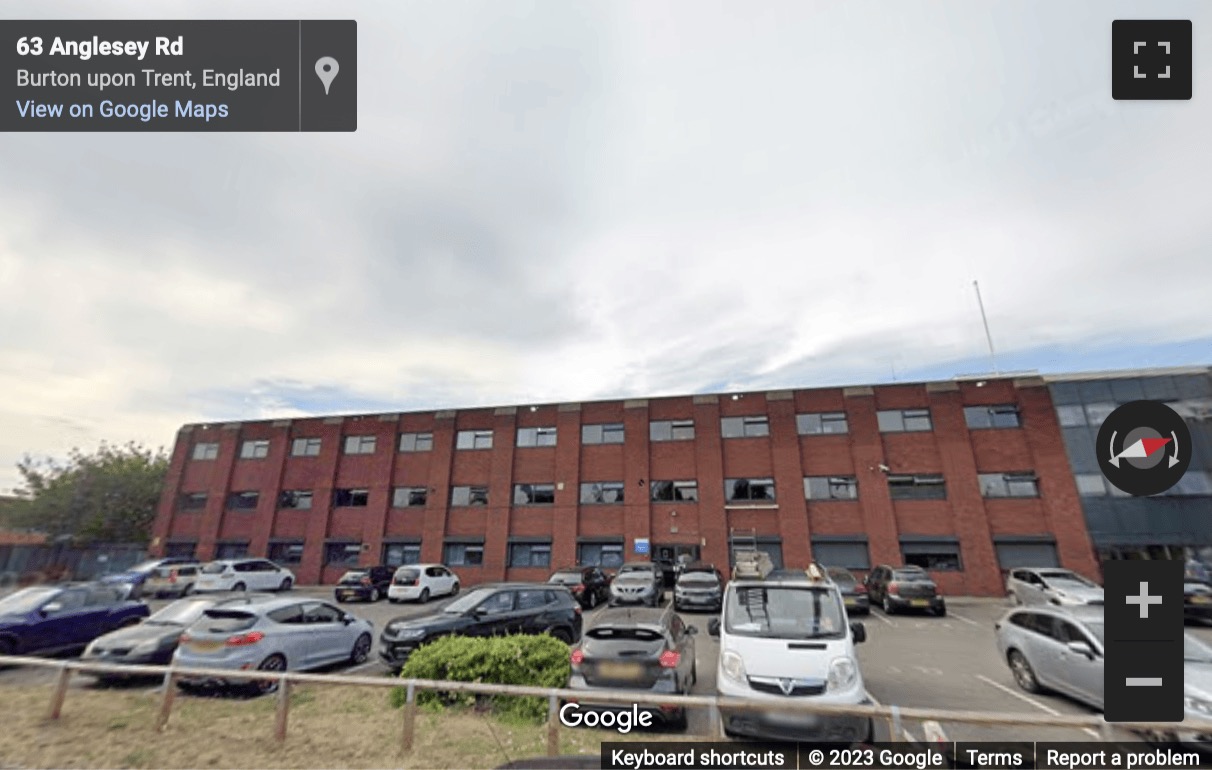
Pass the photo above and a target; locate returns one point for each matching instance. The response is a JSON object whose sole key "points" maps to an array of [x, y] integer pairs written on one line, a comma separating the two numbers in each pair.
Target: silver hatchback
{"points": [[271, 633]]}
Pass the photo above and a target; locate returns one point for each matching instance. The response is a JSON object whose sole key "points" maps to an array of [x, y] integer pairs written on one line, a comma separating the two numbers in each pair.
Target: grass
{"points": [[329, 727]]}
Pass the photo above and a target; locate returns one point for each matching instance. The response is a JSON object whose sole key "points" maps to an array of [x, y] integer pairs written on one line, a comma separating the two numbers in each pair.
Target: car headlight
{"points": [[842, 673], [406, 633], [91, 649], [1201, 707], [733, 666]]}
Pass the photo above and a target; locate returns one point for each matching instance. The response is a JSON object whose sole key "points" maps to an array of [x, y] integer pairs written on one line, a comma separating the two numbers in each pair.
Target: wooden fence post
{"points": [[410, 718], [283, 710], [166, 700], [60, 693], [553, 726]]}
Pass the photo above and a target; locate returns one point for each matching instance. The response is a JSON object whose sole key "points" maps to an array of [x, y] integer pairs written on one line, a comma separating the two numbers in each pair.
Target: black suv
{"points": [[492, 610], [589, 585], [902, 588], [366, 583]]}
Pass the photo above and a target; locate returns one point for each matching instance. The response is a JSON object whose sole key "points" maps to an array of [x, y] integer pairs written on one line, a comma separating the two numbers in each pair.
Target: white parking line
{"points": [[1028, 699], [963, 619], [880, 615]]}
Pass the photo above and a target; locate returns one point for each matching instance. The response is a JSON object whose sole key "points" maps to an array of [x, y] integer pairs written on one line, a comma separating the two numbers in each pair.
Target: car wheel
{"points": [[374, 594], [186, 591], [694, 675], [424, 597], [888, 608], [361, 650], [1024, 675], [454, 591], [272, 663], [392, 600], [285, 584], [239, 587], [561, 634], [940, 611], [340, 599]]}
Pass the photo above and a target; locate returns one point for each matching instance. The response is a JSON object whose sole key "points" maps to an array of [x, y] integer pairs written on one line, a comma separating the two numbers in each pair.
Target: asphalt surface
{"points": [[948, 663]]}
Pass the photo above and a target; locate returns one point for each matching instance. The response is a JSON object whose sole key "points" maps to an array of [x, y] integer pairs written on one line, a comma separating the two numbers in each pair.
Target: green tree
{"points": [[109, 496]]}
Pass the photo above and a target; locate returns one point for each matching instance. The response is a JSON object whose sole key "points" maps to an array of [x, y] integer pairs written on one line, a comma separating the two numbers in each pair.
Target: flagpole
{"points": [[985, 320]]}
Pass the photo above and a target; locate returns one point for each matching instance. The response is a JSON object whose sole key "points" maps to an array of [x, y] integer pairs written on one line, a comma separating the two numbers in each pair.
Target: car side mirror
{"points": [[347, 619], [51, 608], [479, 612], [692, 630], [713, 627], [859, 632], [1081, 648]]}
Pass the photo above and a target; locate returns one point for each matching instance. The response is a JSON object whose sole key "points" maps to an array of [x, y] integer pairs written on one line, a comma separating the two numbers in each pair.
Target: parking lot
{"points": [[948, 663]]}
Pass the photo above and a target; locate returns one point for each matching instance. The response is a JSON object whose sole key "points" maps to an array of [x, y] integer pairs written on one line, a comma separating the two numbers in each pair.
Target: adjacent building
{"points": [[966, 477]]}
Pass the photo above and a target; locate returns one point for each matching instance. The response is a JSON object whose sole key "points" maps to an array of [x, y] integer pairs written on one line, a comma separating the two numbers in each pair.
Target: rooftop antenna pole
{"points": [[988, 337]]}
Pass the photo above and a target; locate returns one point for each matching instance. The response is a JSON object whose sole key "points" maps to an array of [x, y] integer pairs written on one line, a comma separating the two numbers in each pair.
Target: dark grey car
{"points": [[903, 588], [854, 593]]}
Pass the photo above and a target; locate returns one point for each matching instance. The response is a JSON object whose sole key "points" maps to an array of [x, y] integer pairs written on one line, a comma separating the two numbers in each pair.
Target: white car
{"points": [[422, 582], [244, 575], [1052, 586], [785, 640]]}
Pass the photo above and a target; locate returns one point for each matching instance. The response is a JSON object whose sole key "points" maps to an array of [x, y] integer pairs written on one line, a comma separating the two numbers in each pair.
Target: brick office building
{"points": [[965, 477]]}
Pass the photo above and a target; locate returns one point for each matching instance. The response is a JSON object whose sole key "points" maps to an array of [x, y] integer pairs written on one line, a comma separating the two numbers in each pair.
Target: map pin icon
{"points": [[327, 68]]}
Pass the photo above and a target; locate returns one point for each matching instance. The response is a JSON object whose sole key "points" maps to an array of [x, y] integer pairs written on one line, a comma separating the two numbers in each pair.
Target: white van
{"points": [[783, 637]]}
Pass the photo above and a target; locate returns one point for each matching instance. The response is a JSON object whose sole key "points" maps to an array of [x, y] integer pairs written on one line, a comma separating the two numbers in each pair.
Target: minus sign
{"points": [[1143, 681]]}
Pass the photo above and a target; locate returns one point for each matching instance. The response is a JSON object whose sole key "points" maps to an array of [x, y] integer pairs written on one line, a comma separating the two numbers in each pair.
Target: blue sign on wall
{"points": [[642, 545]]}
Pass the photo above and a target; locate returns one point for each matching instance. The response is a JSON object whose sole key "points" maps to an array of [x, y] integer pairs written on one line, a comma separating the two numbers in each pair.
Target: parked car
{"points": [[494, 610], [271, 633], [699, 586], [365, 583], [152, 642], [1051, 586], [854, 593], [642, 649], [52, 619], [589, 585], [1197, 600], [175, 580], [903, 588], [422, 582], [638, 583], [244, 575], [789, 638], [134, 578]]}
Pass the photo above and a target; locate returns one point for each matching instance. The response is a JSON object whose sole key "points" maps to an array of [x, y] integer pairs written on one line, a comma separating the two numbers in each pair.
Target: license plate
{"points": [[346, 594], [851, 602], [1200, 600], [919, 603], [205, 646], [620, 670]]}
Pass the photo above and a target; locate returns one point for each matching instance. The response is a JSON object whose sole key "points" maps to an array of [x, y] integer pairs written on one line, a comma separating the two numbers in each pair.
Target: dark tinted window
{"points": [[321, 613], [219, 621], [498, 603], [614, 632], [291, 614]]}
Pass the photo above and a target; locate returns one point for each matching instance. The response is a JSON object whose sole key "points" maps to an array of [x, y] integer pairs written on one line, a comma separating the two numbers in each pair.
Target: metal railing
{"points": [[894, 716]]}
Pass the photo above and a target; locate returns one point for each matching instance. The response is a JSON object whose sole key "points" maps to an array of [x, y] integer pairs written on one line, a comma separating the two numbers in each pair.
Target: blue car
{"points": [[49, 619], [134, 578]]}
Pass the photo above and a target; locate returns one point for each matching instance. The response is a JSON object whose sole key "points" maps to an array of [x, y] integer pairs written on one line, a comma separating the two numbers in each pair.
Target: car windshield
{"points": [[468, 601], [1066, 580], [26, 599], [354, 576], [842, 577], [214, 568], [784, 612], [180, 613], [699, 579], [910, 574], [566, 578], [1195, 651], [602, 633], [642, 569], [1097, 630]]}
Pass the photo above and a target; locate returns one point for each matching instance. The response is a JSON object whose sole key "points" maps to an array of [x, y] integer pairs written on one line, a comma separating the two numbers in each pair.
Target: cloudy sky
{"points": [[565, 201]]}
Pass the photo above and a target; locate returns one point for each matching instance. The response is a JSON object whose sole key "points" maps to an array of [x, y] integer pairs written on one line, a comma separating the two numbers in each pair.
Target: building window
{"points": [[1026, 552], [821, 423], [1071, 416], [851, 554], [1023, 484], [206, 451], [675, 491], [305, 447], [398, 554], [919, 487], [464, 554], [671, 430], [536, 437], [939, 555], [748, 490], [342, 553], [533, 494], [744, 427], [181, 550], [295, 498], [600, 554], [904, 420], [1091, 485], [1192, 484], [999, 416], [350, 498], [604, 492], [254, 450], [416, 442], [469, 496], [409, 497], [231, 550], [609, 433], [360, 445], [830, 488], [286, 553], [1096, 413], [243, 501], [193, 501], [529, 554], [473, 439]]}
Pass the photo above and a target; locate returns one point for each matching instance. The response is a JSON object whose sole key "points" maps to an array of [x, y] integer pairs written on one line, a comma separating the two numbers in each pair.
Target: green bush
{"points": [[536, 661]]}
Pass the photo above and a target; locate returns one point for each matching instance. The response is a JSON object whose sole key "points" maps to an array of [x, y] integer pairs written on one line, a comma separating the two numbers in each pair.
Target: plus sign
{"points": [[1144, 600]]}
